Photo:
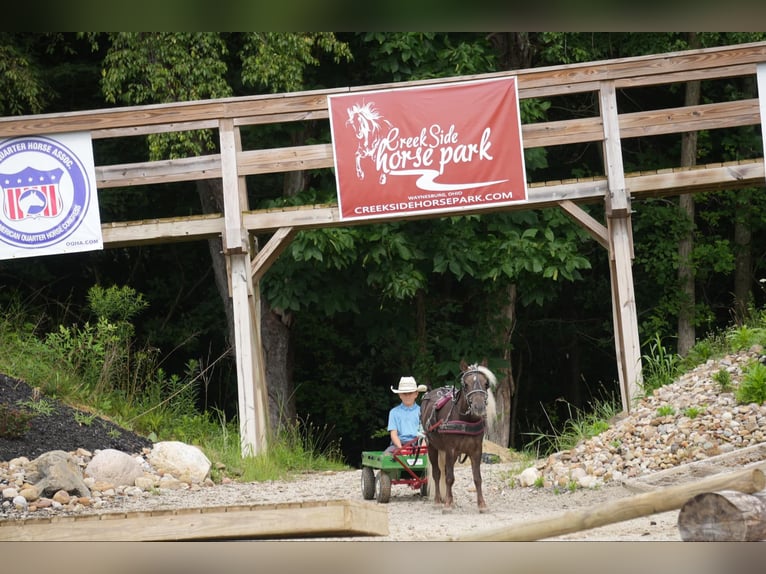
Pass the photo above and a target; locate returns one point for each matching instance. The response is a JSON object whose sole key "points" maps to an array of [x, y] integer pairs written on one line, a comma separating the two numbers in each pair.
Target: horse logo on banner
{"points": [[31, 193], [366, 122], [427, 148]]}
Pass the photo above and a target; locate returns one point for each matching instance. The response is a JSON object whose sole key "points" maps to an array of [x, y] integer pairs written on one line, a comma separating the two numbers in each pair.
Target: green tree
{"points": [[160, 67]]}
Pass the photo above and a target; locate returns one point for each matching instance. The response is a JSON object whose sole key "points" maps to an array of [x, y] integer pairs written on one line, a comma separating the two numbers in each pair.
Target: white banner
{"points": [[49, 203]]}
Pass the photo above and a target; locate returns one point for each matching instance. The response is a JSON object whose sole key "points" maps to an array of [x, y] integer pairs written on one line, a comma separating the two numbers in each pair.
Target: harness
{"points": [[443, 395]]}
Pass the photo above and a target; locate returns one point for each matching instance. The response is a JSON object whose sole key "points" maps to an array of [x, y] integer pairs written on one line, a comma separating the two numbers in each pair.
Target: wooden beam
{"points": [[661, 500], [725, 516], [252, 413], [273, 249], [620, 236], [624, 315], [617, 198], [643, 124], [740, 59], [749, 173], [594, 228], [267, 521]]}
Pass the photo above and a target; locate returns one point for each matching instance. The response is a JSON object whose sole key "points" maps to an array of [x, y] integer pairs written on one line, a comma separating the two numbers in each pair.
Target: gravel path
{"points": [[647, 443]]}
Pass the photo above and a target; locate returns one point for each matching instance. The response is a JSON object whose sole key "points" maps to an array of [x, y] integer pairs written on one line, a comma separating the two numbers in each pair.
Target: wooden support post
{"points": [[594, 228], [660, 500], [269, 253], [251, 380], [620, 237], [726, 516]]}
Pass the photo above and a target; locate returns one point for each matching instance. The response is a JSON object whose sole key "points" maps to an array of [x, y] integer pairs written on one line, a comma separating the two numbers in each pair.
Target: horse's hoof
{"points": [[483, 510]]}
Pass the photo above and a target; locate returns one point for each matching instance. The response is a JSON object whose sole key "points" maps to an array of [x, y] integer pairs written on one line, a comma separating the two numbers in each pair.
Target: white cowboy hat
{"points": [[408, 385]]}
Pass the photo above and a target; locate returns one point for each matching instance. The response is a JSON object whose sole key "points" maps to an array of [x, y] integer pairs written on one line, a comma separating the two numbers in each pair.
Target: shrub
{"points": [[723, 378], [14, 423], [660, 367], [666, 411], [752, 389]]}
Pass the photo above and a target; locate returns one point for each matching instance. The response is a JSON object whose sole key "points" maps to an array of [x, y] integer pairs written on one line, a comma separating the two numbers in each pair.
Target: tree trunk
{"points": [[515, 50], [210, 193], [275, 330], [743, 274], [501, 434], [275, 327], [278, 359], [686, 330], [725, 516]]}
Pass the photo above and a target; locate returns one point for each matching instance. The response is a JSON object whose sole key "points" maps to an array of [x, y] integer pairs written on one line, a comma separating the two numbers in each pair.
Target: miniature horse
{"points": [[454, 421]]}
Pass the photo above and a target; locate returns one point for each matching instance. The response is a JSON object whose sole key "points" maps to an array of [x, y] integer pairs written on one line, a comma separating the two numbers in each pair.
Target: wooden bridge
{"points": [[614, 189]]}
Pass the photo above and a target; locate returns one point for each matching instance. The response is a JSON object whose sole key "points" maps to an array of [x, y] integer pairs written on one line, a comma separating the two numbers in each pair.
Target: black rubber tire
{"points": [[368, 483], [382, 487]]}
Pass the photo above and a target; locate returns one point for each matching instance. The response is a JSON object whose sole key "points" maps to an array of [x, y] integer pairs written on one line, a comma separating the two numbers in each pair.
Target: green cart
{"points": [[406, 465]]}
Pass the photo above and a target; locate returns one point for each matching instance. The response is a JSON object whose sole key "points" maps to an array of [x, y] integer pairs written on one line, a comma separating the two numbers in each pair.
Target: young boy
{"points": [[404, 419]]}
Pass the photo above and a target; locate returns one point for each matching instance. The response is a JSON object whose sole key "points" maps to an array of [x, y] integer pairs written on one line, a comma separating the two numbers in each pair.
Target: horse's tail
{"points": [[491, 411], [430, 479]]}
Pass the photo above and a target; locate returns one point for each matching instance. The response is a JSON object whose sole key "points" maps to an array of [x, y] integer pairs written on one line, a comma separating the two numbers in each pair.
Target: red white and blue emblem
{"points": [[31, 193], [46, 193]]}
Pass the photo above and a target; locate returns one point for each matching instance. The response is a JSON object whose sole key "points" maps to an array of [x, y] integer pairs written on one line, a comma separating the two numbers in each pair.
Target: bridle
{"points": [[476, 381]]}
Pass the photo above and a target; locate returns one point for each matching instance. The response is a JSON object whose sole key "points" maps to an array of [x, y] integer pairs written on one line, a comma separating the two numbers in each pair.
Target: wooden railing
{"points": [[614, 188]]}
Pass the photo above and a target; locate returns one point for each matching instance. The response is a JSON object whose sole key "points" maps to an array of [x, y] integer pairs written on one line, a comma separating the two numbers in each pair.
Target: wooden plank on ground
{"points": [[662, 500], [273, 521], [750, 457]]}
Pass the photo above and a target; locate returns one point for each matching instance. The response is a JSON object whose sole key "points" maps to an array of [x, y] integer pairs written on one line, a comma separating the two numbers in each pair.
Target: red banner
{"points": [[428, 149]]}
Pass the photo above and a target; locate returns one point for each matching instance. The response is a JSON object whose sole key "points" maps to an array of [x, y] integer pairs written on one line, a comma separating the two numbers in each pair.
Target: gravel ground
{"points": [[637, 446]]}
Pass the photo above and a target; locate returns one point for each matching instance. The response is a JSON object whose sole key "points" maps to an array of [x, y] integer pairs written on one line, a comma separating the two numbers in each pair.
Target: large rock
{"points": [[56, 470], [114, 467], [186, 462]]}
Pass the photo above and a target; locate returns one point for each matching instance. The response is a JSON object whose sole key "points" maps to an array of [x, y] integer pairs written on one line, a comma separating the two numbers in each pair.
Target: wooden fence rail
{"points": [[604, 80]]}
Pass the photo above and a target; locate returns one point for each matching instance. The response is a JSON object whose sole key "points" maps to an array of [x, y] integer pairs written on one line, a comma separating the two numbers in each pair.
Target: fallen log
{"points": [[726, 516], [660, 500]]}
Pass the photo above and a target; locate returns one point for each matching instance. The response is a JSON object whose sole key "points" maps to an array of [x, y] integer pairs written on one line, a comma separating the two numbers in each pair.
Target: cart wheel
{"points": [[368, 483], [382, 487]]}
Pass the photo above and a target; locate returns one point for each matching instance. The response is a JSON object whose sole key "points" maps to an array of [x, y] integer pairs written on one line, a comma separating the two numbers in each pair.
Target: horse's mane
{"points": [[491, 404], [368, 112]]}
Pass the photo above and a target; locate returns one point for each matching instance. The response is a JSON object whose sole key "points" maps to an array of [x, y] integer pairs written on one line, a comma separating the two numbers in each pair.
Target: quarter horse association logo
{"points": [[45, 192]]}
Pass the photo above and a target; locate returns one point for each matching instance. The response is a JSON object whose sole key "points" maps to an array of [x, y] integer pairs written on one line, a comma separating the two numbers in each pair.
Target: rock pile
{"points": [[58, 482], [692, 419]]}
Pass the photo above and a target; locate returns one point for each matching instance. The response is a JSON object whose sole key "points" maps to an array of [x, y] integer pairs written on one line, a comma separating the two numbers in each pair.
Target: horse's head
{"points": [[478, 384], [365, 121]]}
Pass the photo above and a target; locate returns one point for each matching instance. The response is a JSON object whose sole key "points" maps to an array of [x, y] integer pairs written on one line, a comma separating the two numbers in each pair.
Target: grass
{"points": [[660, 367], [579, 426], [94, 367]]}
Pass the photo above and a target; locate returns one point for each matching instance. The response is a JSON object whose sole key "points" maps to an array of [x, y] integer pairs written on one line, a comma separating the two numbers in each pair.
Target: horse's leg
{"points": [[449, 464], [476, 468], [359, 172], [433, 462]]}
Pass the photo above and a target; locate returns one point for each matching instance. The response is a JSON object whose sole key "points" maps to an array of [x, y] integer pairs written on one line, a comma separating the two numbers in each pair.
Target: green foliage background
{"points": [[357, 298]]}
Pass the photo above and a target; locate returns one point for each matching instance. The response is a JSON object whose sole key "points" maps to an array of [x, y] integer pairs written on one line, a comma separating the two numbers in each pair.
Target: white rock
{"points": [[186, 462], [10, 493], [115, 467], [529, 476]]}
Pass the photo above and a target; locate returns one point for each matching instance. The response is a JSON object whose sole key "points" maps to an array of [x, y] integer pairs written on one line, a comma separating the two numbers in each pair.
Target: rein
{"points": [[444, 425]]}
